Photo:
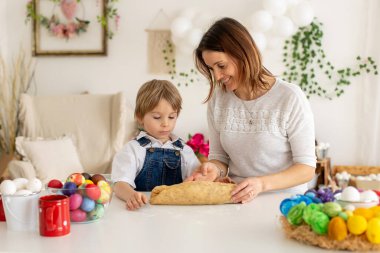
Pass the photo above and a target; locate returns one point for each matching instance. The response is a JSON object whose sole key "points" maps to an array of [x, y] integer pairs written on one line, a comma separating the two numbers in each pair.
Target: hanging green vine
{"points": [[185, 77], [306, 64]]}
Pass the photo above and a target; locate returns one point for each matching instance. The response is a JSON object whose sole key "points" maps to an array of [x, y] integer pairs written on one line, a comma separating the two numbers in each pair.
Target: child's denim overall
{"points": [[162, 166]]}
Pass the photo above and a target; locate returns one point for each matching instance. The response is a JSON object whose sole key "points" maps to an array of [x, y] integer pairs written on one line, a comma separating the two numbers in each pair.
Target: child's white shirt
{"points": [[129, 161]]}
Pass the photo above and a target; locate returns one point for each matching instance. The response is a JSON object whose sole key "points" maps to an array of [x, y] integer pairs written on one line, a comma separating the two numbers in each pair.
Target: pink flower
{"points": [[198, 144], [57, 30], [204, 149]]}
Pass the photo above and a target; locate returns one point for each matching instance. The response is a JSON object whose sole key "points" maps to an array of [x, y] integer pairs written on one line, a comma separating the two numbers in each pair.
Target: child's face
{"points": [[160, 122]]}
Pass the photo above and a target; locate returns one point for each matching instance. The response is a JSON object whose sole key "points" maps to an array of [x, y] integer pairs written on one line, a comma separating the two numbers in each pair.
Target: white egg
{"points": [[350, 207], [20, 183], [23, 192], [368, 196], [7, 187], [34, 185], [350, 194]]}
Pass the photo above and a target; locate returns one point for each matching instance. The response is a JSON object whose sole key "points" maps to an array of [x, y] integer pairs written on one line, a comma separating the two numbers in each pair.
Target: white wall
{"points": [[125, 67]]}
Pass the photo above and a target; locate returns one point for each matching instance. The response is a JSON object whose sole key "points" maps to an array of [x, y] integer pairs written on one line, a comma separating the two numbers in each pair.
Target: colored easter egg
{"points": [[295, 214], [88, 181], [357, 224], [337, 229], [76, 178], [97, 213], [309, 210], [373, 231], [332, 209], [319, 222], [87, 204], [97, 177], [105, 192], [75, 201], [92, 191], [78, 215], [69, 188], [367, 213], [86, 175], [55, 183]]}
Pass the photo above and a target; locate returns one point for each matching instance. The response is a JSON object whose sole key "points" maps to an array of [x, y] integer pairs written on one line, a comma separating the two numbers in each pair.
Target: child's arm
{"points": [[133, 199]]}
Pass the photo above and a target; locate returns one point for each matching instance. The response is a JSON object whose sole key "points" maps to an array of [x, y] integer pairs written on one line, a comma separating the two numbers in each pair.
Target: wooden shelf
{"points": [[324, 171]]}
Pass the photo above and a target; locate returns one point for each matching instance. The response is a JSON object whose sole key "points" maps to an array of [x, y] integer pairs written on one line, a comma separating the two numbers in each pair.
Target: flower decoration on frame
{"points": [[200, 147], [73, 26]]}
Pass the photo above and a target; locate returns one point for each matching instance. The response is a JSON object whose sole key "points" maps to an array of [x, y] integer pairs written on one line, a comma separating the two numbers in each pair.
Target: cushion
{"points": [[51, 158], [100, 124]]}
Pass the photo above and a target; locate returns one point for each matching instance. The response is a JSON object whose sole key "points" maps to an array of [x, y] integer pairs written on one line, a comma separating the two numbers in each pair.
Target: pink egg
{"points": [[77, 215], [75, 201]]}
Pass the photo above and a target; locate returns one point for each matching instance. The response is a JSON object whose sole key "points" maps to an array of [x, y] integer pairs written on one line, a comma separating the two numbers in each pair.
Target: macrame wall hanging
{"points": [[159, 37]]}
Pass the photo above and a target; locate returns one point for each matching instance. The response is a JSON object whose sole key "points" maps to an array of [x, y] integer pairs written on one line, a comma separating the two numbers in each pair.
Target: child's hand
{"points": [[136, 200], [206, 172]]}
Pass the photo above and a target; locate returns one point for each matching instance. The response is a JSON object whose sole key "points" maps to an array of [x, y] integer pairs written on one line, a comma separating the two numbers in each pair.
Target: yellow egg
{"points": [[349, 213], [337, 229], [373, 230], [376, 210], [356, 224], [367, 213]]}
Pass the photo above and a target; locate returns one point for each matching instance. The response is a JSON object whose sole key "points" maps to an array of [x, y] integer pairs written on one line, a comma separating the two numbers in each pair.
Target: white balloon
{"points": [[188, 13], [180, 26], [202, 20], [283, 26], [275, 7], [275, 42], [261, 21], [302, 14], [185, 49], [193, 37], [293, 2], [260, 40]]}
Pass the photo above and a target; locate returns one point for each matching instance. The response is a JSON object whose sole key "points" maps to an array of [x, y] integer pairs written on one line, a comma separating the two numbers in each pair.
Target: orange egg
{"points": [[337, 229]]}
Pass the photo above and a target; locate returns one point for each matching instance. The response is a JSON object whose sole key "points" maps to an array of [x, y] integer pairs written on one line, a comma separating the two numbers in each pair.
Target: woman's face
{"points": [[223, 68]]}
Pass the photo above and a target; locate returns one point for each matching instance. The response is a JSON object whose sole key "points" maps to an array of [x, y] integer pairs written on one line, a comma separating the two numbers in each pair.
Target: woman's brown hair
{"points": [[229, 36]]}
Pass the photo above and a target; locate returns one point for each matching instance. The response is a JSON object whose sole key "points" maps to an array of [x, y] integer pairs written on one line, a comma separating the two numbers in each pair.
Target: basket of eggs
{"points": [[89, 195], [348, 220]]}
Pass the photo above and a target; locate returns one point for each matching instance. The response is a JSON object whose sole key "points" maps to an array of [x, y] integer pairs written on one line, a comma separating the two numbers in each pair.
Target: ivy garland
{"points": [[305, 59], [183, 76], [68, 30]]}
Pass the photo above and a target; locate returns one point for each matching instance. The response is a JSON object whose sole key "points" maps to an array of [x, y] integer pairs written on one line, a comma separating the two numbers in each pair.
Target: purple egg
{"points": [[69, 188], [77, 215], [75, 201], [87, 204]]}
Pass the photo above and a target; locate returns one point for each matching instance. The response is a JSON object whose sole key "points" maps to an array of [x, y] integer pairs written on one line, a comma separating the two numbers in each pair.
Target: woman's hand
{"points": [[247, 190], [206, 172], [135, 200]]}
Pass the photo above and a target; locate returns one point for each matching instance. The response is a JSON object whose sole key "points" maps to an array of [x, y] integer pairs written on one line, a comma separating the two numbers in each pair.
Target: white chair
{"points": [[98, 125]]}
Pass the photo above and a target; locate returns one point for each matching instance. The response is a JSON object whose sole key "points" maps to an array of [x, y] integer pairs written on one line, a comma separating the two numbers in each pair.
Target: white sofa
{"points": [[97, 126]]}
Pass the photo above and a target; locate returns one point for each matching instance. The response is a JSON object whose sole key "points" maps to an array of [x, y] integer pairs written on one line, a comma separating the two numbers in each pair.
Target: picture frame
{"points": [[69, 28]]}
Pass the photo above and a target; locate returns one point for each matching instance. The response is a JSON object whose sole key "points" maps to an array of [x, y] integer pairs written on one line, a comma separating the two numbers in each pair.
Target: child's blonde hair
{"points": [[150, 94]]}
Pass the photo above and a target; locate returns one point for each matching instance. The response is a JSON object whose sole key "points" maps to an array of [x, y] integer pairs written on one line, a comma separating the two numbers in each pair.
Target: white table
{"points": [[252, 227]]}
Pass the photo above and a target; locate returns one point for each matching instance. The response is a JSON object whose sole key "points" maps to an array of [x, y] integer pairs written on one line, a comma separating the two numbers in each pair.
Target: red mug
{"points": [[2, 213], [54, 215]]}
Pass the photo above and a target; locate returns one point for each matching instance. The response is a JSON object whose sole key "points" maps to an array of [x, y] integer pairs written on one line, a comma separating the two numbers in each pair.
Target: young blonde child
{"points": [[156, 156]]}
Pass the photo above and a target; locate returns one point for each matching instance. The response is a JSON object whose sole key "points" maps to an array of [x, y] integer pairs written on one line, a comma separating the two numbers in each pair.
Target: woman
{"points": [[261, 128]]}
